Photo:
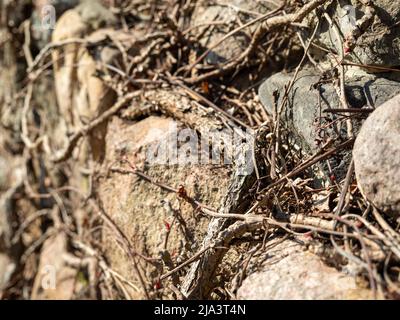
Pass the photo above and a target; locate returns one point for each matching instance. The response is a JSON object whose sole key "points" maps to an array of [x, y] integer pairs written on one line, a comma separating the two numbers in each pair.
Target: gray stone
{"points": [[310, 97], [304, 114], [290, 273], [379, 45], [377, 157]]}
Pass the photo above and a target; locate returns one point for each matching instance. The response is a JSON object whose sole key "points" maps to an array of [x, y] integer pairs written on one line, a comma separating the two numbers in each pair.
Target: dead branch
{"points": [[263, 28]]}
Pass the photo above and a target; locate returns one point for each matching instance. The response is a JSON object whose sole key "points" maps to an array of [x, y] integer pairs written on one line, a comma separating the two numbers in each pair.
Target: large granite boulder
{"points": [[377, 157], [146, 213]]}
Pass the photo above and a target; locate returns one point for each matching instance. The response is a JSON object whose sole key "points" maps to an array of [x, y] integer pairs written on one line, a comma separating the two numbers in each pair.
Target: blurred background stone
{"points": [[227, 11], [41, 19]]}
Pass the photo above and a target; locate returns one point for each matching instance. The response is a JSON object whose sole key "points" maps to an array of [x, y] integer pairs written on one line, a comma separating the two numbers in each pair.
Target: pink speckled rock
{"points": [[290, 273]]}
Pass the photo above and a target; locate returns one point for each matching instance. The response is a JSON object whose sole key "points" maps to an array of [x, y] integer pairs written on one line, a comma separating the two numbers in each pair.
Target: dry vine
{"points": [[164, 62]]}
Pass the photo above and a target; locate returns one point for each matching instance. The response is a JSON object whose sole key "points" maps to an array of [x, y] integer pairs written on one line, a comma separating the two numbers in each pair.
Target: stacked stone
{"points": [[370, 41]]}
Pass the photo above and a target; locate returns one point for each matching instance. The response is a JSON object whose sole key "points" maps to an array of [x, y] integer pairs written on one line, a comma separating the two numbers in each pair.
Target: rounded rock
{"points": [[377, 157]]}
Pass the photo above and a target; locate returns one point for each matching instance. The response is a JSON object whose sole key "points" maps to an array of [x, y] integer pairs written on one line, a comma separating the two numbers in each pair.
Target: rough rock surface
{"points": [[143, 210], [377, 157], [290, 273], [380, 45]]}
